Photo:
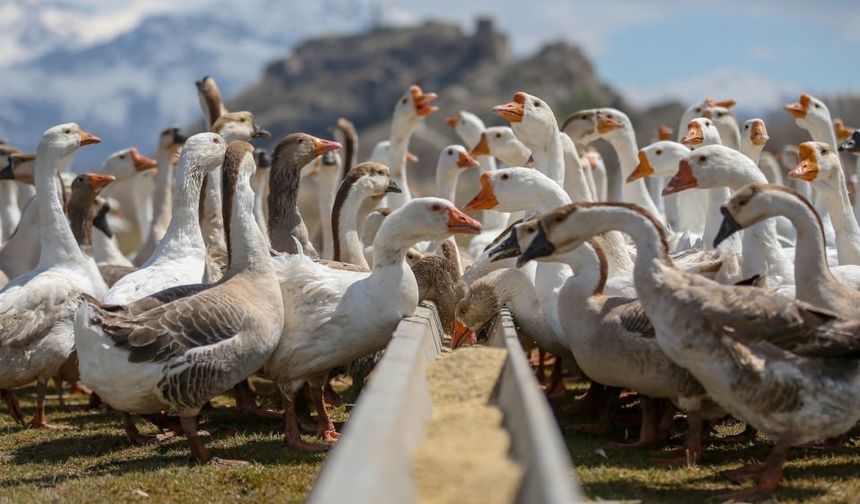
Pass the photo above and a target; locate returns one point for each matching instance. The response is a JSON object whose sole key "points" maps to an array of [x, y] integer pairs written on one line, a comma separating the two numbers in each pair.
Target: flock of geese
{"points": [[720, 280]]}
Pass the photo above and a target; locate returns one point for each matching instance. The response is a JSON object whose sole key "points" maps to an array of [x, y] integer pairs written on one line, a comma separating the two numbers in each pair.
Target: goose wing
{"points": [[29, 311]]}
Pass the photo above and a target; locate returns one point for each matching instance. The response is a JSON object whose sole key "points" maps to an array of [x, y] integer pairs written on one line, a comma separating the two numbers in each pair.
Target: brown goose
{"points": [[180, 347], [286, 226]]}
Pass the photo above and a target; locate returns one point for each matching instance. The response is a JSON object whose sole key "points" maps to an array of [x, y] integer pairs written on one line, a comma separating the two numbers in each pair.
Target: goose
{"points": [[231, 126], [37, 308], [287, 230], [83, 202], [534, 124], [409, 112], [816, 283], [788, 159], [10, 212], [347, 135], [439, 280], [787, 368], [169, 143], [614, 127], [181, 347], [453, 159], [812, 115], [333, 316], [611, 335], [726, 124], [179, 258], [697, 110], [844, 133], [769, 165], [366, 180], [720, 166], [819, 165], [502, 143], [598, 167]]}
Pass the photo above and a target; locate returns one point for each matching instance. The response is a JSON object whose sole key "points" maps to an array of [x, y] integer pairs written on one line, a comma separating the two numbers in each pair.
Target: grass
{"points": [[90, 460], [810, 475]]}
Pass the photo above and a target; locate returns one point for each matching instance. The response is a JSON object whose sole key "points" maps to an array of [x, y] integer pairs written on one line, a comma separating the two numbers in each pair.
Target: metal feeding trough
{"points": [[371, 463]]}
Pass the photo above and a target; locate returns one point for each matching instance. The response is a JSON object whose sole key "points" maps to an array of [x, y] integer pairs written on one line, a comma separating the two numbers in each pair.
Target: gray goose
{"points": [[180, 347], [788, 368]]}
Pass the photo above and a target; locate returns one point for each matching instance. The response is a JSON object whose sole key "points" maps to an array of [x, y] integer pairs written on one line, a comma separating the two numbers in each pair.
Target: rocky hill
{"points": [[362, 76]]}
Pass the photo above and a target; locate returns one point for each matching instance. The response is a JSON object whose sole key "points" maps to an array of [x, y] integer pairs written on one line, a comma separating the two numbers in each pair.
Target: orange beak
{"points": [[842, 132], [694, 135], [758, 135], [412, 158], [724, 103], [800, 108], [682, 180], [484, 200], [643, 169], [141, 162], [606, 124], [99, 181], [462, 336], [664, 132], [467, 161], [483, 147], [422, 100], [460, 223], [807, 168], [452, 121], [513, 111], [88, 138], [322, 146]]}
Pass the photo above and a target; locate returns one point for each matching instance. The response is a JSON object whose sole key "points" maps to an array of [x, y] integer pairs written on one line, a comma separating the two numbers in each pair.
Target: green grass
{"points": [[91, 460], [810, 475]]}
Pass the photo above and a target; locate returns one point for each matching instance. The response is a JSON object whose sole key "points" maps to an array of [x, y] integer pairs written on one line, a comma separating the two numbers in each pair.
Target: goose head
{"points": [[414, 106], [700, 132], [612, 123], [171, 138], [500, 141], [87, 186], [842, 131], [368, 180], [754, 136], [509, 190], [713, 166], [201, 154], [475, 310], [239, 126], [531, 119], [725, 122], [659, 159], [379, 154], [299, 149], [424, 219], [210, 99], [818, 163], [65, 139], [664, 132], [581, 126], [852, 144], [467, 125], [19, 167], [519, 238], [125, 163], [753, 204], [453, 159], [788, 157], [810, 113]]}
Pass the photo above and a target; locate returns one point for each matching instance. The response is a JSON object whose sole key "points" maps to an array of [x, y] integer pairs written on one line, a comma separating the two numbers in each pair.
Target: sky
{"points": [[757, 52]]}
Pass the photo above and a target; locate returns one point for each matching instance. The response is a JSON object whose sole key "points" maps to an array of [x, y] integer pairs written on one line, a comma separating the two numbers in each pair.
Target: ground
{"points": [[90, 460], [810, 475]]}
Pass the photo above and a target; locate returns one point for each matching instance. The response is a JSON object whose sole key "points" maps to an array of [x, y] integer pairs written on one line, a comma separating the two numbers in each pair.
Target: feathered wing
{"points": [[631, 315], [29, 311], [169, 330]]}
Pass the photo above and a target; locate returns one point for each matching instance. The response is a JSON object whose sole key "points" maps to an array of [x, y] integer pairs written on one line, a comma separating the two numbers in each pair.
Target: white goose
{"points": [[333, 316], [819, 165], [179, 258], [409, 111], [37, 308], [179, 348]]}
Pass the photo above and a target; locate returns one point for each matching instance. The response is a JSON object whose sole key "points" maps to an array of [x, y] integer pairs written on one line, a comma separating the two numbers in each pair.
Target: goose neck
{"points": [[347, 244], [624, 143], [183, 235], [549, 158], [283, 197], [248, 248], [810, 260], [55, 236]]}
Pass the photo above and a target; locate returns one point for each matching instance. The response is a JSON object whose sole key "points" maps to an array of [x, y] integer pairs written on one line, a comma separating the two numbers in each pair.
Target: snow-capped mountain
{"points": [[125, 70]]}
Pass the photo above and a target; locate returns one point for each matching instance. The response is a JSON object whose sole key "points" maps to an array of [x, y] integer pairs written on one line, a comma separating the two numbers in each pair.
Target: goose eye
{"points": [[698, 110], [450, 152], [301, 140], [721, 114], [505, 176], [498, 135], [746, 126], [67, 131], [559, 219], [216, 140], [403, 101], [659, 151], [122, 156], [817, 106], [537, 103], [437, 208], [702, 159]]}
